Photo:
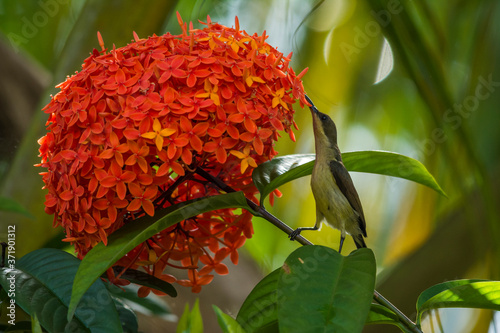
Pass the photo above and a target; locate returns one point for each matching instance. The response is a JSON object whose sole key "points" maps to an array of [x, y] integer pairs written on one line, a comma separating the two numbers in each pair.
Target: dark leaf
{"points": [[147, 280], [43, 281], [128, 318]]}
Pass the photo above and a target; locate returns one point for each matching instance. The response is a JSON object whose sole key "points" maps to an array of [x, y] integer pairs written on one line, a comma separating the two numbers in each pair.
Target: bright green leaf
{"points": [[322, 291], [101, 257], [226, 322], [35, 324], [182, 325], [43, 281], [196, 320], [438, 288], [281, 170], [259, 312], [480, 294], [191, 321], [390, 164]]}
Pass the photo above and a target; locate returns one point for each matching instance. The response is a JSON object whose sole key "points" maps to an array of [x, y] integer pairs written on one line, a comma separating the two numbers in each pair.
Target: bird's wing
{"points": [[346, 186]]}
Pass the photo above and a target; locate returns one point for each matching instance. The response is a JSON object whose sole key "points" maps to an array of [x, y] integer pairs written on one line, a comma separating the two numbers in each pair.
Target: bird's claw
{"points": [[294, 234]]}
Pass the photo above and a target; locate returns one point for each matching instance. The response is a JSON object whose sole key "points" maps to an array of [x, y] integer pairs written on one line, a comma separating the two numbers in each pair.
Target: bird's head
{"points": [[325, 131]]}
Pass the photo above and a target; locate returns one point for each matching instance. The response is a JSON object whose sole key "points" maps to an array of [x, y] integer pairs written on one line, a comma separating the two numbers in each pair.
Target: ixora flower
{"points": [[125, 133]]}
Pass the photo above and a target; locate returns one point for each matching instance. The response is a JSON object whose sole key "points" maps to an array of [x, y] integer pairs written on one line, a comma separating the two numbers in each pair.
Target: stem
{"points": [[262, 212], [166, 195], [401, 316]]}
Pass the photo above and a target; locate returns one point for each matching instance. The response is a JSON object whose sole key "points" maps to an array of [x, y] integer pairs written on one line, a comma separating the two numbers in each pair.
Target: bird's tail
{"points": [[359, 241]]}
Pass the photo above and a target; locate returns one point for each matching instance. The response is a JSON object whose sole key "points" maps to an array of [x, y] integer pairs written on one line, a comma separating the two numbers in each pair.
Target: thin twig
{"points": [[262, 212], [166, 195], [401, 316]]}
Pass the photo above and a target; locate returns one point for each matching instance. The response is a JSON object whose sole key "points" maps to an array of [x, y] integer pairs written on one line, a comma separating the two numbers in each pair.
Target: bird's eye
{"points": [[324, 117]]}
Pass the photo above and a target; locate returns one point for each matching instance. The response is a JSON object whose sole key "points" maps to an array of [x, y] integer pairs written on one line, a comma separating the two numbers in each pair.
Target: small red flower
{"points": [[124, 129], [142, 198]]}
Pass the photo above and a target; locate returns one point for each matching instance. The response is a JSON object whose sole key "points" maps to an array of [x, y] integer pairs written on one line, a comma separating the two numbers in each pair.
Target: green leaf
{"points": [[226, 322], [481, 294], [11, 205], [182, 326], [196, 322], [35, 324], [191, 321], [390, 164], [101, 257], [43, 280], [281, 170], [323, 291], [381, 315], [259, 310]]}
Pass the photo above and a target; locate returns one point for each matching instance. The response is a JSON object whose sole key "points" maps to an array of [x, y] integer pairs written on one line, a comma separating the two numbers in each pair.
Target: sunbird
{"points": [[337, 201]]}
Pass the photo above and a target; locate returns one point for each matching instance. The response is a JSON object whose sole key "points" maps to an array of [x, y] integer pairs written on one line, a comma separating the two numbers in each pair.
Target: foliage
{"points": [[42, 282], [191, 320]]}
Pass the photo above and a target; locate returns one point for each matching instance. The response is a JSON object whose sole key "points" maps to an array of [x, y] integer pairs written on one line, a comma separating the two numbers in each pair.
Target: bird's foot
{"points": [[294, 234]]}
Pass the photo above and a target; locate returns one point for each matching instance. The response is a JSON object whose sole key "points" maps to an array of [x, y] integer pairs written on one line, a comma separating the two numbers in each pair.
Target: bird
{"points": [[337, 201]]}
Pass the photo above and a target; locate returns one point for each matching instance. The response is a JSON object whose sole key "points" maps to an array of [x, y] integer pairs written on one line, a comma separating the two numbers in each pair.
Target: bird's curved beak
{"points": [[312, 107]]}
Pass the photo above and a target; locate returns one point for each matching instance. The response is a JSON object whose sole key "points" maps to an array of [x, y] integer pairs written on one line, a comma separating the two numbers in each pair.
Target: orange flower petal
{"points": [[221, 155], [149, 208]]}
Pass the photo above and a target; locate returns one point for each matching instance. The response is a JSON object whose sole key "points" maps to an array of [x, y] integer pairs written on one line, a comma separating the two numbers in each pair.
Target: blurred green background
{"points": [[420, 78]]}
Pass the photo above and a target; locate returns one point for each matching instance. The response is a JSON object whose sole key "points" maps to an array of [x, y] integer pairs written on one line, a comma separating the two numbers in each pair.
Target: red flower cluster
{"points": [[126, 133]]}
